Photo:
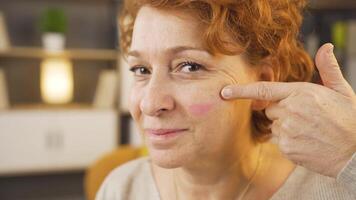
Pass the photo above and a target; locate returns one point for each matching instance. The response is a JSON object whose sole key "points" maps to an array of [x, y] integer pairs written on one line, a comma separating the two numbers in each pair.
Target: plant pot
{"points": [[53, 42]]}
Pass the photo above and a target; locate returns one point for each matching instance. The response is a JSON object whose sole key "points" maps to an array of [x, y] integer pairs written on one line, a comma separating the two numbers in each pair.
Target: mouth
{"points": [[164, 136], [163, 131]]}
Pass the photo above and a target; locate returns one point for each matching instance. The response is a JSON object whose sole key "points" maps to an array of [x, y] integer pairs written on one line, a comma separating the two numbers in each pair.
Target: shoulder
{"points": [[124, 182], [305, 184], [129, 171]]}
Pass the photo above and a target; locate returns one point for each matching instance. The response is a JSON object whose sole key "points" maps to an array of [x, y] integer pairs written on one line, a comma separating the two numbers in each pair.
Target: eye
{"points": [[188, 67], [139, 70]]}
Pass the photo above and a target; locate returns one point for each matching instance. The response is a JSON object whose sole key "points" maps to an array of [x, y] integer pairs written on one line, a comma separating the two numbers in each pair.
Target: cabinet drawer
{"points": [[37, 141]]}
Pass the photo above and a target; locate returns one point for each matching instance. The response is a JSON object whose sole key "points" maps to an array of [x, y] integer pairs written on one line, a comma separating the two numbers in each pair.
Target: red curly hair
{"points": [[259, 29]]}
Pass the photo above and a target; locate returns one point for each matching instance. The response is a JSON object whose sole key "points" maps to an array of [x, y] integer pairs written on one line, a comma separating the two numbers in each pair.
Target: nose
{"points": [[157, 100]]}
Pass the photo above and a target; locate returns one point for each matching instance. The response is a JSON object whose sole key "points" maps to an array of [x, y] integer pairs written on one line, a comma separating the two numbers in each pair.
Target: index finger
{"points": [[263, 90]]}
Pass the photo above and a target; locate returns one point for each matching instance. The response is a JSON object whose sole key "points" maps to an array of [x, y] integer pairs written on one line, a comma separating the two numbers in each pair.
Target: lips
{"points": [[164, 138], [164, 131]]}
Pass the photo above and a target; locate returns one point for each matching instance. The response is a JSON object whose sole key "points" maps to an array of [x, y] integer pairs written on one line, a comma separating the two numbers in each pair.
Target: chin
{"points": [[168, 158]]}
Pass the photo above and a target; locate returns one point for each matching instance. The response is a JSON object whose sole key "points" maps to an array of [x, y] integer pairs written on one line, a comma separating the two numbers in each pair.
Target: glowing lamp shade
{"points": [[56, 80]]}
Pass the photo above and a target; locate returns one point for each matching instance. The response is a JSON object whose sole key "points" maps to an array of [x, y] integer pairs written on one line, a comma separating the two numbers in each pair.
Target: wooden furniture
{"points": [[48, 140], [37, 138]]}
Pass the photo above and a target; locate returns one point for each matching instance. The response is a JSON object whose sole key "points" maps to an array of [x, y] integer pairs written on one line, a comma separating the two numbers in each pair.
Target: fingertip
{"points": [[226, 92], [329, 48], [324, 54]]}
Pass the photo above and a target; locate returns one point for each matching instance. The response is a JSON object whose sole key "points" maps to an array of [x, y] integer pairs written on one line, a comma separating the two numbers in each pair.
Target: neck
{"points": [[216, 177], [221, 178]]}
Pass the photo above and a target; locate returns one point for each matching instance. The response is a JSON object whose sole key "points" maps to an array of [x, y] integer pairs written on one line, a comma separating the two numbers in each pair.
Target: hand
{"points": [[315, 125]]}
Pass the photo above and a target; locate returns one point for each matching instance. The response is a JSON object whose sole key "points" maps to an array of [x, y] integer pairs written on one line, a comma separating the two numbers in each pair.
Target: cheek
{"points": [[134, 103], [200, 110], [202, 104]]}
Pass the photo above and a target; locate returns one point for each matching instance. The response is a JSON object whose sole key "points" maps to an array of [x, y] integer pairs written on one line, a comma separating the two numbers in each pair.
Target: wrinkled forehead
{"points": [[157, 29]]}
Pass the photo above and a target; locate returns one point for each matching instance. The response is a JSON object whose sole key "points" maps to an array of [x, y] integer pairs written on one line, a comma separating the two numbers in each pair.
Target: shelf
{"points": [[49, 107], [44, 141], [42, 106], [78, 54], [333, 4]]}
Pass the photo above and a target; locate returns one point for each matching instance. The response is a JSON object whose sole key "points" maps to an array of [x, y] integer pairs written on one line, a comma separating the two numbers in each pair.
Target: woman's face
{"points": [[177, 86]]}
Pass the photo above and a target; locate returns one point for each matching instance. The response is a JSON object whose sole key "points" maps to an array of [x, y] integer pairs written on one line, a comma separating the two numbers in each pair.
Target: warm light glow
{"points": [[56, 80]]}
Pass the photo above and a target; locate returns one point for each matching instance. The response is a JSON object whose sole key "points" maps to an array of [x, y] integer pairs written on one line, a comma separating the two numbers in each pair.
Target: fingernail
{"points": [[227, 92], [331, 49]]}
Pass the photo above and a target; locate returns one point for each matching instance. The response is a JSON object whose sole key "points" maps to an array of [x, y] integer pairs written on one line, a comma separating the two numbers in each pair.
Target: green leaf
{"points": [[53, 20]]}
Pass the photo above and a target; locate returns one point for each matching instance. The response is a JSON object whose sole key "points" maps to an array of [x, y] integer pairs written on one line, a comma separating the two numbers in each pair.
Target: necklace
{"points": [[247, 187], [242, 195]]}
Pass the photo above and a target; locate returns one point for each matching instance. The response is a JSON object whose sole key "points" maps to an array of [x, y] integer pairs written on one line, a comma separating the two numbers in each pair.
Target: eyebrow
{"points": [[172, 50]]}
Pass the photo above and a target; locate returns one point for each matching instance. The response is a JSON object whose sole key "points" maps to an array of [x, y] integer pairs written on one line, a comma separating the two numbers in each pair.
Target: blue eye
{"points": [[139, 70], [190, 67]]}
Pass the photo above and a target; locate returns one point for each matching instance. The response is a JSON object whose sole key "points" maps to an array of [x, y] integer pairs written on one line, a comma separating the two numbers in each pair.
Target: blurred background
{"points": [[64, 121]]}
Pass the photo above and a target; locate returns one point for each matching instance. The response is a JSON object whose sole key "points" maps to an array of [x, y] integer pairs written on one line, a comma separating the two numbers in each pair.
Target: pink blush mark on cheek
{"points": [[200, 109]]}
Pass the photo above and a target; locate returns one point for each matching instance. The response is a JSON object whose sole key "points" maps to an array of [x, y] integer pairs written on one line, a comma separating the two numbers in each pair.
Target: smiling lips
{"points": [[164, 138], [161, 132]]}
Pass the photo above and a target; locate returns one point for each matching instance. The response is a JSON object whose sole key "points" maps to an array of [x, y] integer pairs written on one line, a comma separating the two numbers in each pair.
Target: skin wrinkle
{"points": [[219, 131], [205, 89], [208, 146]]}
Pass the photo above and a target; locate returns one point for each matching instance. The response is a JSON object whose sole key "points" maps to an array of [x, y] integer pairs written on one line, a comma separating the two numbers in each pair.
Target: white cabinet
{"points": [[53, 140]]}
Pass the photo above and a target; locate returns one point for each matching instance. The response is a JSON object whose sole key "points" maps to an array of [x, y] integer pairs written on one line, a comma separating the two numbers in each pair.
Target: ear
{"points": [[264, 72]]}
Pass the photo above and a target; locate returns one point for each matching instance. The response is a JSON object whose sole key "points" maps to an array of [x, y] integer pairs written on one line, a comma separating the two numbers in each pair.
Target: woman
{"points": [[201, 146]]}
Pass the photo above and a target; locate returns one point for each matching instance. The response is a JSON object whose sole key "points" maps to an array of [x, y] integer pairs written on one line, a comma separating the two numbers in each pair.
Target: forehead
{"points": [[161, 29]]}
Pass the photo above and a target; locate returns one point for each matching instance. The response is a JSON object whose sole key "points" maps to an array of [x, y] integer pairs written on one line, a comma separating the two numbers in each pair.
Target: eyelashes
{"points": [[184, 67], [139, 70], [193, 66]]}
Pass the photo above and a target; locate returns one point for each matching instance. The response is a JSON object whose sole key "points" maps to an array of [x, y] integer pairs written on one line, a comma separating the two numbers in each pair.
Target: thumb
{"points": [[330, 72]]}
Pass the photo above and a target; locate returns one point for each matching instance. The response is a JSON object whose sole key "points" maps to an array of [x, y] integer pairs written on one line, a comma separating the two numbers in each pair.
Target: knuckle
{"points": [[293, 110], [315, 101], [284, 103], [285, 124], [264, 91], [311, 93], [314, 96], [334, 65], [285, 145], [290, 108]]}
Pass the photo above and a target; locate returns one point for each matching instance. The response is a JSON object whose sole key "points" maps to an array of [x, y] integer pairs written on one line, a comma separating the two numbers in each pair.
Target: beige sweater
{"points": [[134, 181]]}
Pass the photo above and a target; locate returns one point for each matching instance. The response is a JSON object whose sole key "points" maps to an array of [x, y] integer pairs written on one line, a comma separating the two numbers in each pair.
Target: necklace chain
{"points": [[247, 187], [242, 195]]}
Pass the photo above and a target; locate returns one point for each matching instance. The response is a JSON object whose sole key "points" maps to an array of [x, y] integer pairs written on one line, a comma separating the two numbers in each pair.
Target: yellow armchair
{"points": [[95, 174]]}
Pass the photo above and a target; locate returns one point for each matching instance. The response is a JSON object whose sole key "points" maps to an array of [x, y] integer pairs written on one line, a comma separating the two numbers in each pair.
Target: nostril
{"points": [[156, 102], [161, 111]]}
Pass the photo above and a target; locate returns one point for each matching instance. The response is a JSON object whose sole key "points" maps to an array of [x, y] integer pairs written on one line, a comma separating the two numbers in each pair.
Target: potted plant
{"points": [[53, 26]]}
